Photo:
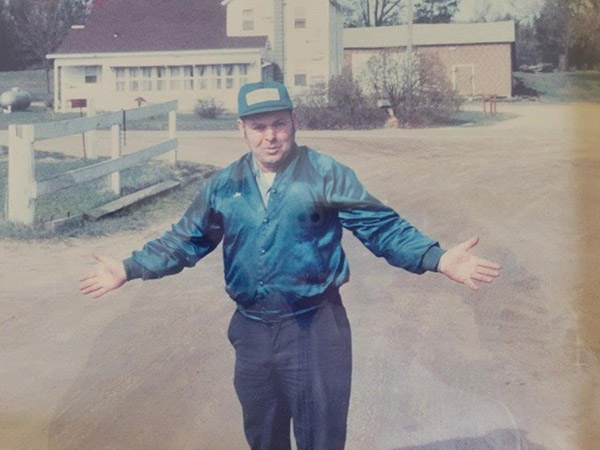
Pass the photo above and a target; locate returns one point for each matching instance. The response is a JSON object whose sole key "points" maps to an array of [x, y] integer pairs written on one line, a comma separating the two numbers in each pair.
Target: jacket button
{"points": [[261, 282], [266, 220], [263, 251]]}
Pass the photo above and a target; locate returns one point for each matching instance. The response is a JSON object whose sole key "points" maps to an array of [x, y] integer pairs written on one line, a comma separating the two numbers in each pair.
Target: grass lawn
{"points": [[563, 86], [475, 118], [34, 82], [185, 122], [551, 87], [86, 196]]}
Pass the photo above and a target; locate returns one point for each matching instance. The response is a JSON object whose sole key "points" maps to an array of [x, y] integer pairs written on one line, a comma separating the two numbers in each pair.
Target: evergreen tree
{"points": [[552, 30], [7, 40], [435, 11]]}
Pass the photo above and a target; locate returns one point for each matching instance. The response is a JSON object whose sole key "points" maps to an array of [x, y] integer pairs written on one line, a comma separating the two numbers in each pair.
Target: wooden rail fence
{"points": [[23, 188]]}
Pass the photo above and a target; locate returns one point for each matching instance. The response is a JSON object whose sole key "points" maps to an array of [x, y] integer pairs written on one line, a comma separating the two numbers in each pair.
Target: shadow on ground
{"points": [[504, 439]]}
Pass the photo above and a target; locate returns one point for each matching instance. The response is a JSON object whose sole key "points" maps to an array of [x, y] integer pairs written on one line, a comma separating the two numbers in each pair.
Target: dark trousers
{"points": [[299, 368]]}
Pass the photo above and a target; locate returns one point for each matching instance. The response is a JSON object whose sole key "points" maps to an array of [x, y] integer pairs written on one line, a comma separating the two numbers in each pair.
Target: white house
{"points": [[306, 36], [159, 50]]}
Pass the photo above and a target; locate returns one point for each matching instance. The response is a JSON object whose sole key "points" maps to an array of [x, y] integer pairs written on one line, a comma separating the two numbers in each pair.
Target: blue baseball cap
{"points": [[262, 97]]}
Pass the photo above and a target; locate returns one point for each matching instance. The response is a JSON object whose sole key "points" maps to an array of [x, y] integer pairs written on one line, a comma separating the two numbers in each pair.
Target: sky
{"points": [[520, 8]]}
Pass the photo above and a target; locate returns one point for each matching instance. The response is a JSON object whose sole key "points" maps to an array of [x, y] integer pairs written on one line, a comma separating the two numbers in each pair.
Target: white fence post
{"points": [[90, 136], [173, 133], [21, 174], [115, 152]]}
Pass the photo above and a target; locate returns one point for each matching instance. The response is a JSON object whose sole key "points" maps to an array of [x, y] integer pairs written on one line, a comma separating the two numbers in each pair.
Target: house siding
{"points": [[105, 94], [262, 18], [492, 64], [336, 40], [307, 50]]}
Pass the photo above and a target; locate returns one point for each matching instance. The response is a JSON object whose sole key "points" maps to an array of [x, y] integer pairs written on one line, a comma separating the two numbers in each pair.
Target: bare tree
{"points": [[372, 13], [482, 11], [386, 75], [424, 97], [41, 25]]}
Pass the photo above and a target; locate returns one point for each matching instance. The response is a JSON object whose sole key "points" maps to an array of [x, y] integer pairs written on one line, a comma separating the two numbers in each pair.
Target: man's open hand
{"points": [[109, 274], [461, 266]]}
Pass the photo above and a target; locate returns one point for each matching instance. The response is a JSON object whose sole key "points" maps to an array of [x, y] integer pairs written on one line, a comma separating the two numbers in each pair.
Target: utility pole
{"points": [[409, 47], [409, 53]]}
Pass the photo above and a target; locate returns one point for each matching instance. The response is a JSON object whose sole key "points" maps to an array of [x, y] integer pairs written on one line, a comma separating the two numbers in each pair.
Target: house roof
{"points": [[430, 34], [116, 26]]}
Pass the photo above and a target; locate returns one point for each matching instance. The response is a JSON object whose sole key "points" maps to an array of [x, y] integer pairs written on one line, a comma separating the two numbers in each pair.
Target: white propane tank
{"points": [[15, 100]]}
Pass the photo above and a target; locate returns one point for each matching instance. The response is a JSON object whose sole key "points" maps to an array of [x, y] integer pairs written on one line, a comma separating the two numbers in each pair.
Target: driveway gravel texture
{"points": [[436, 366]]}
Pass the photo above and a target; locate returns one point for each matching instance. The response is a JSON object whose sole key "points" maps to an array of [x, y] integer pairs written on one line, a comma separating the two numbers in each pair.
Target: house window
{"points": [[146, 78], [134, 79], [216, 75], [160, 78], [229, 73], [248, 19], [91, 76], [300, 79], [201, 76], [300, 17], [243, 69], [188, 82], [174, 78], [120, 76]]}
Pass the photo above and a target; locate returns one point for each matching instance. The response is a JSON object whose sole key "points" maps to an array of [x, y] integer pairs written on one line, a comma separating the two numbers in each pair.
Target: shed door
{"points": [[463, 79]]}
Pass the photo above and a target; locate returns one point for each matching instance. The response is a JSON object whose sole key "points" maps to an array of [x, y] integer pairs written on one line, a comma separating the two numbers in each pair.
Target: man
{"points": [[279, 212]]}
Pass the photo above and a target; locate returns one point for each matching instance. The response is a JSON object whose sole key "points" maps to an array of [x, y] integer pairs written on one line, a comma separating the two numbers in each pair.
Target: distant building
{"points": [[478, 56], [161, 50]]}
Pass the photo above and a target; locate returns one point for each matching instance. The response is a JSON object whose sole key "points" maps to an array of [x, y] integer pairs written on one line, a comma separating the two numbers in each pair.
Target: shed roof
{"points": [[430, 34], [116, 26], [333, 2]]}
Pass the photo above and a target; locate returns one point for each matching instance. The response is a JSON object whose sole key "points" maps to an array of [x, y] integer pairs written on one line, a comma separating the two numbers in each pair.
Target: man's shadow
{"points": [[503, 439]]}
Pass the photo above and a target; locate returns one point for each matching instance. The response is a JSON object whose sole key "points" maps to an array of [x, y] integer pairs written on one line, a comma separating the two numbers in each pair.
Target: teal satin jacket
{"points": [[290, 250]]}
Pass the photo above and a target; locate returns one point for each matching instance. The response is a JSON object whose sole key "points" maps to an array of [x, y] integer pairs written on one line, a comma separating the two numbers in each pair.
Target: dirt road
{"points": [[436, 366]]}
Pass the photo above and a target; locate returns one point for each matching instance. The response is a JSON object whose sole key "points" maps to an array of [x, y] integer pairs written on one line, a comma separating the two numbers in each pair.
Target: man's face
{"points": [[270, 136]]}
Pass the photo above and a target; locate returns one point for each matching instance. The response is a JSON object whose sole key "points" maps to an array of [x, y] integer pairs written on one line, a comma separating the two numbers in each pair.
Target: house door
{"points": [[463, 79]]}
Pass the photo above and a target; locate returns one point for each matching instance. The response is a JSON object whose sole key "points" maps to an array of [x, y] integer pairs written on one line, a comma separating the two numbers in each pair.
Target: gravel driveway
{"points": [[436, 366]]}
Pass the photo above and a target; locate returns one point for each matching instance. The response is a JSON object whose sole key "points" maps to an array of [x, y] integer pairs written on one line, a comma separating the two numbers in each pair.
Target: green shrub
{"points": [[339, 105], [209, 108]]}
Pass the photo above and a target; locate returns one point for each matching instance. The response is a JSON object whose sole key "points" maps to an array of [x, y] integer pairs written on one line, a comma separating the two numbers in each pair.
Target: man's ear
{"points": [[242, 130], [294, 119]]}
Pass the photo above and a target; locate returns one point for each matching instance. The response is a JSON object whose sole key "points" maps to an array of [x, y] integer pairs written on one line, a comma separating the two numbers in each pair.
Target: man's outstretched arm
{"points": [[109, 274], [461, 266], [194, 236], [387, 234]]}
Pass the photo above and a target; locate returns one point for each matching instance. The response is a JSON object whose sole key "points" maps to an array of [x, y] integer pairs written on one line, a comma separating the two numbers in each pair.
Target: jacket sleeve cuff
{"points": [[133, 269], [431, 258]]}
